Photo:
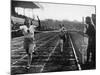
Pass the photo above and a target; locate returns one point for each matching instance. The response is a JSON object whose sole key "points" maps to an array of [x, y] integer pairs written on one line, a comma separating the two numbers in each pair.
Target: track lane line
{"points": [[49, 56], [22, 46], [17, 66], [14, 39], [79, 67], [35, 50]]}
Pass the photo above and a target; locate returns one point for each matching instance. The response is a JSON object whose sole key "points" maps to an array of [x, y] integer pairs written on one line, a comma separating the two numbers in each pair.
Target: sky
{"points": [[58, 11]]}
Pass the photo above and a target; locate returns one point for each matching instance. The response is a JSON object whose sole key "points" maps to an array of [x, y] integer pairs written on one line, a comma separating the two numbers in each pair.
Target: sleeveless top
{"points": [[62, 33], [28, 32]]}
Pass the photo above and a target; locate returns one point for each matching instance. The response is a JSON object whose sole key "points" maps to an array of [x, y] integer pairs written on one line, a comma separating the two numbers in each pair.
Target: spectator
{"points": [[90, 31]]}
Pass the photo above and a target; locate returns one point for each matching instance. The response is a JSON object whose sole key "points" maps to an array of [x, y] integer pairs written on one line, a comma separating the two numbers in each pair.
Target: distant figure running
{"points": [[29, 40], [62, 36]]}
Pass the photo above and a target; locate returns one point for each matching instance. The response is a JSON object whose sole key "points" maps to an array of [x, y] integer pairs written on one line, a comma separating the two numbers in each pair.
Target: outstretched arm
{"points": [[16, 30], [39, 21]]}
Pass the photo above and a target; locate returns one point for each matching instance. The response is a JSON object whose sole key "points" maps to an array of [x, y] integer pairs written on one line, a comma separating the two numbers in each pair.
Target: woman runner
{"points": [[28, 30], [62, 36]]}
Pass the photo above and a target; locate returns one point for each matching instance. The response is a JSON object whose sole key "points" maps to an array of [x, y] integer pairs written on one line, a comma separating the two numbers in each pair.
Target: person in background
{"points": [[62, 36], [94, 20], [90, 31], [28, 30]]}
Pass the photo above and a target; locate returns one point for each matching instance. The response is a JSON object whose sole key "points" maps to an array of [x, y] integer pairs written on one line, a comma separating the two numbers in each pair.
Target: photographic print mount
{"points": [[52, 37]]}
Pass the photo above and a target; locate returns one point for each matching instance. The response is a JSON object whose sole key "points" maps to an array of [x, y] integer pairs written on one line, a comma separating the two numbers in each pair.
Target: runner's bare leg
{"points": [[61, 45], [30, 56]]}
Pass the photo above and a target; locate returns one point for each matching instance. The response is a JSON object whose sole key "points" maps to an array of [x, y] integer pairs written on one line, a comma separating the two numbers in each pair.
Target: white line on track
{"points": [[17, 43], [22, 46], [17, 66], [50, 31], [49, 56], [18, 38], [19, 59], [76, 58], [15, 55], [23, 60], [23, 36], [18, 49], [35, 50], [22, 42], [21, 55]]}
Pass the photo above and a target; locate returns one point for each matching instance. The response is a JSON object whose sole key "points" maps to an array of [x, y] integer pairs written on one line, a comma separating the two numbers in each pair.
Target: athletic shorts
{"points": [[62, 37], [28, 45], [61, 41]]}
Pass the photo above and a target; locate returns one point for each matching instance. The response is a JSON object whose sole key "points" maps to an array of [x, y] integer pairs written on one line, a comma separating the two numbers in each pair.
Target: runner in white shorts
{"points": [[28, 30]]}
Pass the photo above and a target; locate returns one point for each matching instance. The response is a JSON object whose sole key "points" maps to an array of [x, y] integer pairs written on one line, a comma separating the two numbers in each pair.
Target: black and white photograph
{"points": [[52, 37]]}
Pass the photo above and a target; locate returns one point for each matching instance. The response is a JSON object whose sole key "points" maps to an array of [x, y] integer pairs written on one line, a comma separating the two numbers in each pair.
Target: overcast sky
{"points": [[60, 11]]}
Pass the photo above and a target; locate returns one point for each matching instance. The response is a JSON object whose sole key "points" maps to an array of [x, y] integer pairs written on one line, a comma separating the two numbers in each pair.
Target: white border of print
{"points": [[5, 37]]}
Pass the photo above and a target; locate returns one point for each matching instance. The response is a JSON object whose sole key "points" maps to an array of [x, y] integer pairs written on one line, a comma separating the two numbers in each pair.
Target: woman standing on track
{"points": [[28, 30]]}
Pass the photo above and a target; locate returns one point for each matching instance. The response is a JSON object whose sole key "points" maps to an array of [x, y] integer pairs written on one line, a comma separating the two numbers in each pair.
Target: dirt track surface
{"points": [[48, 57]]}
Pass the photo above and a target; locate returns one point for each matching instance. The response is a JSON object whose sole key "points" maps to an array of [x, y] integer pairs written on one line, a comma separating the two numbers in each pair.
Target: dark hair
{"points": [[62, 25], [88, 19], [26, 22]]}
